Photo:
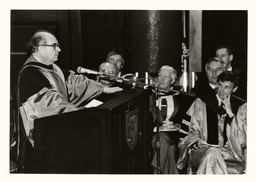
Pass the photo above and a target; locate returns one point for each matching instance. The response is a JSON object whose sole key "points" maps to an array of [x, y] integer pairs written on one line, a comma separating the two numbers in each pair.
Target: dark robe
{"points": [[212, 109], [204, 128], [202, 88], [43, 91]]}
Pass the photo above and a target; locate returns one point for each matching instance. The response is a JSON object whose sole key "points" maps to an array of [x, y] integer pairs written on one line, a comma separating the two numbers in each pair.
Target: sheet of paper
{"points": [[93, 103]]}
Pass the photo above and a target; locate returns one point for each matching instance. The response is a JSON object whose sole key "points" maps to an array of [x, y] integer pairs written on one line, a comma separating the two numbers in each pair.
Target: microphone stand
{"points": [[157, 144]]}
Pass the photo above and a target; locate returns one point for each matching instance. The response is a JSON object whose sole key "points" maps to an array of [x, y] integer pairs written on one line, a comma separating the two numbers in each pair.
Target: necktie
{"points": [[222, 112], [164, 108], [221, 109]]}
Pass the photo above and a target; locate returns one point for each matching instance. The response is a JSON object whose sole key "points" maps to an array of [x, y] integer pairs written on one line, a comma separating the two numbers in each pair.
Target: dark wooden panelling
{"points": [[102, 30], [24, 23]]}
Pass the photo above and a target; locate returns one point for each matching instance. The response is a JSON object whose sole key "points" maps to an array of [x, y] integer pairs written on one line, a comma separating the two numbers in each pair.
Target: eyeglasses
{"points": [[108, 72], [53, 45]]}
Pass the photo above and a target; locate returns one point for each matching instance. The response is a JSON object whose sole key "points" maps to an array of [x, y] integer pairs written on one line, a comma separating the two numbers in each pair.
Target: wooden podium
{"points": [[113, 138]]}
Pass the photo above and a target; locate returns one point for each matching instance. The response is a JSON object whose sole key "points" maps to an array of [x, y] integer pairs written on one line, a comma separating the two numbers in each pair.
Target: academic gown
{"points": [[44, 90], [179, 104], [209, 159]]}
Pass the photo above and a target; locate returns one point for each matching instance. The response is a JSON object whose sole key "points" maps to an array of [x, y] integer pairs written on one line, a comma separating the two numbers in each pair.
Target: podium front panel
{"points": [[113, 138]]}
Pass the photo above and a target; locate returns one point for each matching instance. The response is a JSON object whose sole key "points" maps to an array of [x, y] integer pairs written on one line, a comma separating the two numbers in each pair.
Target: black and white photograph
{"points": [[117, 91]]}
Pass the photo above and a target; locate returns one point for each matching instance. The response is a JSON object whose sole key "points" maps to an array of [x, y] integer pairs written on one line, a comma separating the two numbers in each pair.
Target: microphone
{"points": [[87, 71]]}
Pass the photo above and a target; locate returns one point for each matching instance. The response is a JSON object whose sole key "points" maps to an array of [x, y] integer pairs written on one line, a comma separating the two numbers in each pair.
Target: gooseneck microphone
{"points": [[131, 81], [87, 71]]}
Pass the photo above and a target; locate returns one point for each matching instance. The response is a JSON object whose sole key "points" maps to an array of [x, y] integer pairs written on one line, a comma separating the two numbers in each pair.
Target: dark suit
{"points": [[202, 88]]}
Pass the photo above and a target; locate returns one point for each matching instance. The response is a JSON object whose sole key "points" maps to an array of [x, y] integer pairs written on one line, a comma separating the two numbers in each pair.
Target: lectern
{"points": [[113, 138]]}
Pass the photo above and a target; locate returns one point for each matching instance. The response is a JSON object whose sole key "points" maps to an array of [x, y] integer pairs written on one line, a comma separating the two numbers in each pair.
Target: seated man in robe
{"points": [[116, 59], [108, 69], [207, 83], [171, 108], [215, 138], [110, 73], [44, 90]]}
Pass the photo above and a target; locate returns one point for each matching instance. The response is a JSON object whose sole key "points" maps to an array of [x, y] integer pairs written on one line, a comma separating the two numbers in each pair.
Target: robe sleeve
{"points": [[242, 119], [237, 133], [195, 134], [38, 98], [44, 103], [80, 88]]}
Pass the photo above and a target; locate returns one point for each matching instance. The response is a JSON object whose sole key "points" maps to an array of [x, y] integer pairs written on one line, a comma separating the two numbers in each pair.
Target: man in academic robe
{"points": [[207, 83], [216, 139], [117, 59], [44, 90], [175, 106], [108, 69]]}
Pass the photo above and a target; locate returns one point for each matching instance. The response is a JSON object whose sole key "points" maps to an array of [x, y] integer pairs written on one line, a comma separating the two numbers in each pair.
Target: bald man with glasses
{"points": [[44, 90]]}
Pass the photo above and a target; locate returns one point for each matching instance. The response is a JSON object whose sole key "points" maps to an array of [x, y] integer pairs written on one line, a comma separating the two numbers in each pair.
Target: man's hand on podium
{"points": [[109, 90]]}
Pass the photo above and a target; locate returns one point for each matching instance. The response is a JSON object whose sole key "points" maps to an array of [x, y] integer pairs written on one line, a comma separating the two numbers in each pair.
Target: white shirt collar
{"points": [[40, 60], [219, 99], [213, 86], [230, 68], [37, 59]]}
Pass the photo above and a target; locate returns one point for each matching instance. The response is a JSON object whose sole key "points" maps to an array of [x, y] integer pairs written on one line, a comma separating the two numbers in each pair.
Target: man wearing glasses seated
{"points": [[116, 59], [107, 69], [44, 90]]}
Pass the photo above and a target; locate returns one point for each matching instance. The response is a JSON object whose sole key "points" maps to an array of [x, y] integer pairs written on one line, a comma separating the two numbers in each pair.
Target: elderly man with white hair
{"points": [[167, 76], [169, 112]]}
